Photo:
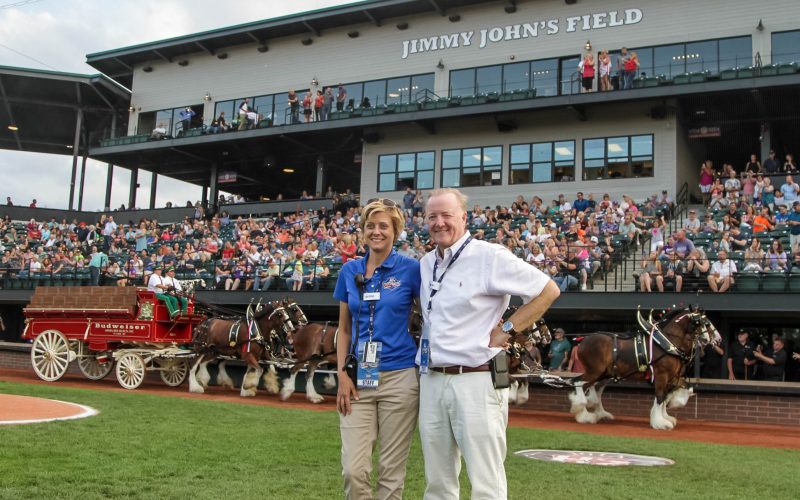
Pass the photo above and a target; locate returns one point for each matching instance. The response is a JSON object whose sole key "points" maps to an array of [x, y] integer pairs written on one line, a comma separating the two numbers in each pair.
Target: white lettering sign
{"points": [[499, 34]]}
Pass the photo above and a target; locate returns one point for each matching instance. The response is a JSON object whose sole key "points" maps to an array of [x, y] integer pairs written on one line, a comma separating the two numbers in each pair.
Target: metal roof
{"points": [[119, 63], [44, 105]]}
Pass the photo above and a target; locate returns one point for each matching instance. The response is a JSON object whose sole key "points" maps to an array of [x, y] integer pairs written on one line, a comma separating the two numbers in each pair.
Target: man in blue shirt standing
{"points": [[794, 227], [580, 205], [186, 119], [98, 262]]}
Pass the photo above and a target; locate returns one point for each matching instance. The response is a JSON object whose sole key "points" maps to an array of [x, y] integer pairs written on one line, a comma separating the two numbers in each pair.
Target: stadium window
{"points": [[462, 83], [786, 47], [376, 92], [263, 106], [399, 171], [489, 79], [735, 52], [544, 77], [398, 90], [622, 157], [227, 107], [472, 167], [421, 87], [516, 76], [542, 162]]}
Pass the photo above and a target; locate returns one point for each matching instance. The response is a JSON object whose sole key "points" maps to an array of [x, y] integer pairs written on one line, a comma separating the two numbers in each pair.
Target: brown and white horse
{"points": [[525, 359], [314, 344], [258, 335], [665, 349]]}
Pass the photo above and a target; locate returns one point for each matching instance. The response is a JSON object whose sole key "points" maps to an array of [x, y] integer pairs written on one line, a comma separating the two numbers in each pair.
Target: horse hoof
{"points": [[196, 389], [286, 394], [605, 416], [273, 388], [316, 399], [584, 417], [249, 393], [664, 425], [672, 420], [329, 382]]}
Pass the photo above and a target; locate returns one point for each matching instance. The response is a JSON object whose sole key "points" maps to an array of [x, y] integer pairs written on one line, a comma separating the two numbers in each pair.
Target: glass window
{"points": [[280, 113], [489, 79], [226, 107], [398, 171], [263, 106], [147, 122], [422, 87], [702, 56], [164, 120], [398, 90], [516, 76], [570, 81], [376, 92], [786, 47], [543, 162], [475, 167], [618, 157], [355, 93], [645, 61], [669, 60], [735, 52], [462, 82], [544, 77]]}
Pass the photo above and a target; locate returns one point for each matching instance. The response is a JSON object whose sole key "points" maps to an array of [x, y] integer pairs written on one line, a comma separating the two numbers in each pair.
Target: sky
{"points": [[57, 35]]}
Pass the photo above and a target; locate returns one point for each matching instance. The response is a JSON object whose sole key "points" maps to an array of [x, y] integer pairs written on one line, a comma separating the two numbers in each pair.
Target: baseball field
{"points": [[157, 446]]}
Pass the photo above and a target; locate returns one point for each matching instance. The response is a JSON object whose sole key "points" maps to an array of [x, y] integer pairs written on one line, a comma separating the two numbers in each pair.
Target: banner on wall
{"points": [[704, 132]]}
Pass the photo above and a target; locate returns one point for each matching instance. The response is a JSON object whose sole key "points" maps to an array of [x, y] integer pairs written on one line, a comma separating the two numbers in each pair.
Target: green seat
{"points": [[745, 72], [681, 79], [794, 280], [787, 68], [748, 282], [773, 281], [728, 74], [769, 70]]}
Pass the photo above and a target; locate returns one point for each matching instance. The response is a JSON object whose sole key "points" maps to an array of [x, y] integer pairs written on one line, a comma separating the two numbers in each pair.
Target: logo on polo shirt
{"points": [[391, 283]]}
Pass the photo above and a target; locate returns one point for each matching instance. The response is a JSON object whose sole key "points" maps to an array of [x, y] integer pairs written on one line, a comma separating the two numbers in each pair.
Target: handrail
{"points": [[681, 207]]}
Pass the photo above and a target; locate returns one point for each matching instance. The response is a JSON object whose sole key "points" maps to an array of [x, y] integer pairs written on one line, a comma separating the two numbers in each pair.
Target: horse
{"points": [[524, 358], [251, 339], [665, 349]]}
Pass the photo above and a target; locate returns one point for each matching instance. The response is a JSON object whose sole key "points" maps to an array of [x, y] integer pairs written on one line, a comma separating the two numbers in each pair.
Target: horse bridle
{"points": [[286, 320], [299, 315], [535, 335], [708, 332]]}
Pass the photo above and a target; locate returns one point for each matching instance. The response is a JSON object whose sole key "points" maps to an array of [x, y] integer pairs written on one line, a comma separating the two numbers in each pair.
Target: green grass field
{"points": [[145, 446]]}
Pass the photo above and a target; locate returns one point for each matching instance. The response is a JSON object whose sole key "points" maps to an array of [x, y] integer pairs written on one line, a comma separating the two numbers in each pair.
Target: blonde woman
{"points": [[375, 297], [586, 67], [605, 70]]}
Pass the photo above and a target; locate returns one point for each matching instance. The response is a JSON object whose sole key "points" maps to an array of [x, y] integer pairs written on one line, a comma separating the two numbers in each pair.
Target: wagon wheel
{"points": [[89, 364], [130, 370], [50, 355], [173, 371]]}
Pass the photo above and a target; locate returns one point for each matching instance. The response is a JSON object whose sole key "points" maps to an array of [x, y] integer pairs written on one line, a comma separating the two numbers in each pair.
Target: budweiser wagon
{"points": [[100, 327]]}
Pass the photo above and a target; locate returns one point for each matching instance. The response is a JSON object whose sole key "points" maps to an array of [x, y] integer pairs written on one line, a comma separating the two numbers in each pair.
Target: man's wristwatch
{"points": [[508, 327]]}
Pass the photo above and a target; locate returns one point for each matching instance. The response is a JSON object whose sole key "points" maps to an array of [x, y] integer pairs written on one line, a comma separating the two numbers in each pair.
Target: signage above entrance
{"points": [[497, 34]]}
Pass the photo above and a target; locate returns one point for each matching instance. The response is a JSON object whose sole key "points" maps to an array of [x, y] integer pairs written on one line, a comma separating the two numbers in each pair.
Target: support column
{"points": [[83, 181], [109, 179], [204, 198], [213, 194], [75, 149], [134, 185], [766, 140], [320, 175], [153, 184]]}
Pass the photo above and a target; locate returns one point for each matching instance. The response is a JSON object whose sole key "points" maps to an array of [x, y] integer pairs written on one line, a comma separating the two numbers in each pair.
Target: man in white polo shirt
{"points": [[466, 286]]}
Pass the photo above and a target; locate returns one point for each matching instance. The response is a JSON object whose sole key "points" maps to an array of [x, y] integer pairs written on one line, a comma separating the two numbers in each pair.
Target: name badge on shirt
{"points": [[371, 296], [368, 373], [435, 285]]}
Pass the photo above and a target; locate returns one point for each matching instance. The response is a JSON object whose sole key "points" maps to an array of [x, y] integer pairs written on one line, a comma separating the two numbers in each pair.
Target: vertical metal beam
{"points": [[320, 174], [83, 179], [134, 185], [213, 194], [204, 201], [153, 185], [109, 179], [766, 140], [75, 149]]}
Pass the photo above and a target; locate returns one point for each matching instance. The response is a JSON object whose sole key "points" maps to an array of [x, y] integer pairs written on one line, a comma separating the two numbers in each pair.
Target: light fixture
{"points": [[394, 95], [222, 55], [402, 26], [454, 18], [70, 146], [147, 69], [440, 65], [511, 7], [588, 46], [207, 97], [352, 34], [288, 170], [760, 25], [131, 109], [306, 41], [13, 128], [262, 48], [314, 82], [183, 62]]}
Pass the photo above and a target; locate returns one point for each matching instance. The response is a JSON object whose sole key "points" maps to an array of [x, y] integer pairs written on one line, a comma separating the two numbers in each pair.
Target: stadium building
{"points": [[485, 96]]}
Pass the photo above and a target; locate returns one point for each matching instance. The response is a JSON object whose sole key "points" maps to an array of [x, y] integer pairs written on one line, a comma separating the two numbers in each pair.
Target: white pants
{"points": [[463, 414]]}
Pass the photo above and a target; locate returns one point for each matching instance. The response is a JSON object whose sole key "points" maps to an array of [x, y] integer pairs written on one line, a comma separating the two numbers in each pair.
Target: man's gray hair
{"points": [[461, 197]]}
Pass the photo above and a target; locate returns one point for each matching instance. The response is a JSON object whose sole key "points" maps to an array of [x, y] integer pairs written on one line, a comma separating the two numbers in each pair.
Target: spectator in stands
{"points": [[657, 234], [244, 108], [308, 105], [651, 268], [768, 194], [558, 355], [776, 259], [586, 69], [748, 186], [779, 200], [762, 222], [327, 103], [159, 132], [790, 190], [319, 103], [186, 119], [346, 248], [408, 202], [341, 98], [672, 272], [741, 356], [774, 360], [580, 205], [709, 225], [97, 264], [754, 257], [732, 185], [706, 180], [789, 165], [794, 226], [782, 217], [753, 165], [692, 223], [604, 66], [771, 165], [720, 278], [9, 202], [622, 59]]}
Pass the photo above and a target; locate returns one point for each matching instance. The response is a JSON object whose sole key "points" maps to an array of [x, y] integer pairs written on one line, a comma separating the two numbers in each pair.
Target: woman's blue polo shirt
{"points": [[398, 282]]}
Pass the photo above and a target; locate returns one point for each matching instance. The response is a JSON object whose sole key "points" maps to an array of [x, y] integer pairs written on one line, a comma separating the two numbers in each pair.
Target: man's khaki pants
{"points": [[463, 414], [387, 414]]}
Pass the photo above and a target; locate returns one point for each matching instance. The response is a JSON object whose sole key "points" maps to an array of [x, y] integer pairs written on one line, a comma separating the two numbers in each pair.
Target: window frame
{"points": [[630, 162], [460, 169], [416, 171], [532, 162]]}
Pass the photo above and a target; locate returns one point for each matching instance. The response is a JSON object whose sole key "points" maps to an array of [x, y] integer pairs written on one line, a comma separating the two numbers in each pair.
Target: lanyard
{"points": [[434, 291], [371, 327]]}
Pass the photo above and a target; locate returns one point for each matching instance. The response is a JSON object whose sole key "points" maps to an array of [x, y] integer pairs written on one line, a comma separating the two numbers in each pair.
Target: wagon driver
{"points": [[466, 286], [162, 285]]}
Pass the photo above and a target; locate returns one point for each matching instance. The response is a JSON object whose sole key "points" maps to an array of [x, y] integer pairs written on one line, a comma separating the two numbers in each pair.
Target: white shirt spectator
{"points": [[724, 269], [790, 192], [109, 228]]}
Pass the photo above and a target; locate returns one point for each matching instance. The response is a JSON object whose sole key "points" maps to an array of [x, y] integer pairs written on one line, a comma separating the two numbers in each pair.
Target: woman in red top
{"points": [[346, 248], [307, 102], [319, 101], [587, 72], [228, 251]]}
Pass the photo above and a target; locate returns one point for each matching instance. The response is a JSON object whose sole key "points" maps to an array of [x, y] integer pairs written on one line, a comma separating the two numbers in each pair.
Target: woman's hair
{"points": [[394, 213], [777, 243]]}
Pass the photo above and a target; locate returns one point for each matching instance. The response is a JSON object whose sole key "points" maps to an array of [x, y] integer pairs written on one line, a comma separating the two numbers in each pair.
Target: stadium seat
{"points": [[794, 280], [773, 281], [748, 282]]}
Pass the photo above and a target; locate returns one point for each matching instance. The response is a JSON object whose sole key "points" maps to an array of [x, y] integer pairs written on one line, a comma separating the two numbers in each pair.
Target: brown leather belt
{"points": [[457, 370]]}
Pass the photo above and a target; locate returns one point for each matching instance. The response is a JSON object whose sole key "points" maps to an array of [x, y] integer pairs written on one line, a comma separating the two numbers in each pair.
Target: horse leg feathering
{"points": [[311, 393], [288, 386], [250, 382], [657, 420], [512, 391], [271, 380], [599, 410], [194, 385], [522, 393], [329, 382], [223, 379]]}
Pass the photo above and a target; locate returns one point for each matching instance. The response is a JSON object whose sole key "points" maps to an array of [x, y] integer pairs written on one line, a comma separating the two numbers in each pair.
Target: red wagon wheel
{"points": [[50, 355]]}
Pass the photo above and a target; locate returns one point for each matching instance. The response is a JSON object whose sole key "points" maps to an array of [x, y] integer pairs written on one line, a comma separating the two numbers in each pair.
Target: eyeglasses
{"points": [[386, 202]]}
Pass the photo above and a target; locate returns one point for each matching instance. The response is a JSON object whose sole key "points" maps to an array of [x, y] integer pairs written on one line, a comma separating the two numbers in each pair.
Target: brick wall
{"points": [[704, 405]]}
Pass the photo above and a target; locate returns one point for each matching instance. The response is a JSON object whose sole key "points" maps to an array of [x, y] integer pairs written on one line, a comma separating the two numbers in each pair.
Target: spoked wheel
{"points": [[174, 371], [50, 355], [130, 370], [90, 366]]}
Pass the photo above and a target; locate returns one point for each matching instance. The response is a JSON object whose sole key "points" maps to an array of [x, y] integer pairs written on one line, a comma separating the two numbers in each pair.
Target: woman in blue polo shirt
{"points": [[376, 294]]}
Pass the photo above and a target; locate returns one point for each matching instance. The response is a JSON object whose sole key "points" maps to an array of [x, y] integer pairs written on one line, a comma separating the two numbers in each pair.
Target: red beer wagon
{"points": [[98, 326]]}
